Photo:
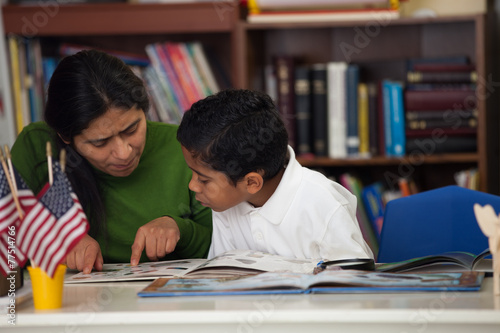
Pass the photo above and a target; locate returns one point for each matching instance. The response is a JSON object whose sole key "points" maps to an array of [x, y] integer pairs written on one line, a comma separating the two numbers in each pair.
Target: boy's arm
{"points": [[343, 238]]}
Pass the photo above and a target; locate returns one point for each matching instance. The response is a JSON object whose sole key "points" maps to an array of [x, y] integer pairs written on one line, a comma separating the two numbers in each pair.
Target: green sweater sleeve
{"points": [[195, 230]]}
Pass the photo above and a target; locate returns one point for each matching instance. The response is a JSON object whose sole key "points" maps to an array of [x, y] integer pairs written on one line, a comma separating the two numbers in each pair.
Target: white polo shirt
{"points": [[308, 216]]}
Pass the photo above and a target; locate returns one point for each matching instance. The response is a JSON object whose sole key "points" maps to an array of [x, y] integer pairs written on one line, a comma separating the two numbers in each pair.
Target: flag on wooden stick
{"points": [[54, 225], [10, 218]]}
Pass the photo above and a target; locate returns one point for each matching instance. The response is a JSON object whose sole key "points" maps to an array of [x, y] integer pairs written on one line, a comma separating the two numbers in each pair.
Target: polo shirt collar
{"points": [[276, 207]]}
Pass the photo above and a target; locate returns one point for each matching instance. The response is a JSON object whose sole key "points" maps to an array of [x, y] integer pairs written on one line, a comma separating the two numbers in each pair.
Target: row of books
{"points": [[27, 80], [330, 112], [441, 104], [291, 11], [176, 75]]}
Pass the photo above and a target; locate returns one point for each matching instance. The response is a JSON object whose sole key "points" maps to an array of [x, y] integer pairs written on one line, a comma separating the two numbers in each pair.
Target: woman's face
{"points": [[114, 142]]}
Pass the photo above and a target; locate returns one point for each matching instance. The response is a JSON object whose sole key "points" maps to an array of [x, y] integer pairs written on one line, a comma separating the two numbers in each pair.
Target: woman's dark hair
{"points": [[236, 132], [82, 88]]}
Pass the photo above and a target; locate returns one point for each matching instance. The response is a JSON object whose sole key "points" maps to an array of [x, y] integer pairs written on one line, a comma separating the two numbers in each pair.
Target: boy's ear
{"points": [[254, 182]]}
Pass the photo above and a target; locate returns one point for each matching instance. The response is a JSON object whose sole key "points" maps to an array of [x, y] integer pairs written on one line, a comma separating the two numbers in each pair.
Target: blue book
{"points": [[372, 199], [386, 106], [326, 282], [397, 120], [352, 81]]}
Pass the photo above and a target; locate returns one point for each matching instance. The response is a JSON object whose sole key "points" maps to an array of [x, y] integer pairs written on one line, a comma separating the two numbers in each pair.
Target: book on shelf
{"points": [[265, 11], [363, 121], [265, 5], [441, 77], [320, 109], [351, 95], [337, 117], [284, 68], [8, 129], [448, 261], [373, 127], [440, 99], [393, 118], [325, 282], [450, 116], [303, 111], [340, 15], [449, 144], [229, 264], [441, 123], [374, 205]]}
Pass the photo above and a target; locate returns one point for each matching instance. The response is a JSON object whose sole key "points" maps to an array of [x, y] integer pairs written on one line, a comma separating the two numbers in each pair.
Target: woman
{"points": [[129, 173]]}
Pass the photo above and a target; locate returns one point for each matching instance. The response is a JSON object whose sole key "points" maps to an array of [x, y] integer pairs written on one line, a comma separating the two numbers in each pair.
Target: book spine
{"points": [[303, 110], [372, 199], [197, 82], [352, 81], [440, 99], [337, 111], [397, 119], [439, 131], [168, 89], [172, 78], [373, 128], [203, 66], [363, 120], [16, 82], [441, 77], [319, 109], [386, 95], [182, 71], [452, 144], [444, 115], [284, 67], [442, 123]]}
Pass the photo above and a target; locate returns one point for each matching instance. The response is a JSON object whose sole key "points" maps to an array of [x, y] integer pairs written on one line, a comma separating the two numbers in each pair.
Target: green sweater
{"points": [[158, 187]]}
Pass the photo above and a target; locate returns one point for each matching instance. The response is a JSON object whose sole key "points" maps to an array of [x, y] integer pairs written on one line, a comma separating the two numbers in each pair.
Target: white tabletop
{"points": [[115, 307]]}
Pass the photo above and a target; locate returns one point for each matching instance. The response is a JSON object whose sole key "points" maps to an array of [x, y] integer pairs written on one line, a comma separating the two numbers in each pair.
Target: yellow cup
{"points": [[47, 291]]}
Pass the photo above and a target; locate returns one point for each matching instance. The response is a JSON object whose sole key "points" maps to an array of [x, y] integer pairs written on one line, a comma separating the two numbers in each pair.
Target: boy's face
{"points": [[213, 189]]}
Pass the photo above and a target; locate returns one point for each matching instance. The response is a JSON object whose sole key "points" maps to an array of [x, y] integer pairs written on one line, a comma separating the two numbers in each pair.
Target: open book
{"points": [[449, 261], [229, 264], [328, 281]]}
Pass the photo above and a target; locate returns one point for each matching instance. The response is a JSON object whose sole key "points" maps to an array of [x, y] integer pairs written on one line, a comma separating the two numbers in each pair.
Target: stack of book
{"points": [[440, 101], [180, 74], [292, 11]]}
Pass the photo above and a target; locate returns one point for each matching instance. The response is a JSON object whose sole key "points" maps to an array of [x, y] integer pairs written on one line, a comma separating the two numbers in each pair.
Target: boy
{"points": [[262, 199]]}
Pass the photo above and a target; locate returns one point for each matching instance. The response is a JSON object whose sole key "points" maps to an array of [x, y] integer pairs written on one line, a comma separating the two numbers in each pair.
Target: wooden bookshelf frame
{"points": [[248, 52]]}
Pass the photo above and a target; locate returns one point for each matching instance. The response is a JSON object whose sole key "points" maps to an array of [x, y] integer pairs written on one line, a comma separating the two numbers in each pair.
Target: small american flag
{"points": [[10, 256], [54, 225]]}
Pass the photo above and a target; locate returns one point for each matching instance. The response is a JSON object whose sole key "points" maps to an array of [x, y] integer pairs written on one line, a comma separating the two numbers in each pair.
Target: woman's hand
{"points": [[85, 255], [159, 237]]}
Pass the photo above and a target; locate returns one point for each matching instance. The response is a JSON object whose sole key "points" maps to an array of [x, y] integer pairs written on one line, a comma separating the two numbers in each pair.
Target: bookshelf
{"points": [[382, 54], [244, 49]]}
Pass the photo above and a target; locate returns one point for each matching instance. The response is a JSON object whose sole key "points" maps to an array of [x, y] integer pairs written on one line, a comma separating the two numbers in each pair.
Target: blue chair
{"points": [[433, 222]]}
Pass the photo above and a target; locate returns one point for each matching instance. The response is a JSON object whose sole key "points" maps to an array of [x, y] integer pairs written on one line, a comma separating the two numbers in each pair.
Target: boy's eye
{"points": [[202, 181]]}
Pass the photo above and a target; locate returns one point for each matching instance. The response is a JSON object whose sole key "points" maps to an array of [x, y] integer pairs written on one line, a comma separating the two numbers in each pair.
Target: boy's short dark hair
{"points": [[236, 132]]}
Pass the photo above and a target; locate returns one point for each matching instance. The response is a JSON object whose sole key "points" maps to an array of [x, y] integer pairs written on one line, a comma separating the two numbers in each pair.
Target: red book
{"points": [[440, 99], [440, 132], [443, 67], [285, 81]]}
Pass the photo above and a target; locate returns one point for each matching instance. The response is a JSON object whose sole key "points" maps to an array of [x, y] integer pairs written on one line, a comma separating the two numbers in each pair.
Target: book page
{"points": [[143, 271], [248, 261]]}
